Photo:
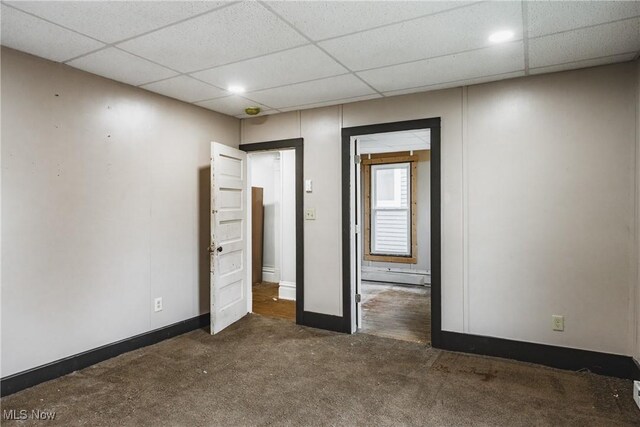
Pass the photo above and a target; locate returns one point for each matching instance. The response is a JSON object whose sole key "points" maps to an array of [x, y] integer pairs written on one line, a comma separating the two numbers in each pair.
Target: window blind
{"points": [[390, 208]]}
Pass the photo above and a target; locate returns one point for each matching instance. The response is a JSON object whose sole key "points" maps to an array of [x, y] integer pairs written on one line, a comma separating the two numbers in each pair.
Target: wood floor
{"points": [[267, 303], [396, 311], [391, 311]]}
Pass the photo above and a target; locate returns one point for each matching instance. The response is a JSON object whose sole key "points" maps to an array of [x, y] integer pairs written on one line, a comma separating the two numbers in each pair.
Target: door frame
{"points": [[298, 145], [348, 288]]}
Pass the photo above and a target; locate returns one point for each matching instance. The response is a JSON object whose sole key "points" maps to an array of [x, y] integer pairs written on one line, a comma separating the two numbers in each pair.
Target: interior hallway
{"points": [[402, 312], [264, 371]]}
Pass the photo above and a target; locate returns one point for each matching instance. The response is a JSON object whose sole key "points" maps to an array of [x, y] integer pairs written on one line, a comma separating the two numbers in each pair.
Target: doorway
{"points": [[393, 247], [273, 245], [391, 230], [275, 174]]}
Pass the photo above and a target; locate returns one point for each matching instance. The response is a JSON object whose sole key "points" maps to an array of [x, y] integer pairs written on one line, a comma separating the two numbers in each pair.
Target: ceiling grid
{"points": [[297, 55]]}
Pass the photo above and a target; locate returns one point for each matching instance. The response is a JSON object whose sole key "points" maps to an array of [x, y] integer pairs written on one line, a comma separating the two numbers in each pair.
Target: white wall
{"points": [[105, 205], [287, 288], [551, 207], [265, 173], [538, 194], [635, 298], [274, 172]]}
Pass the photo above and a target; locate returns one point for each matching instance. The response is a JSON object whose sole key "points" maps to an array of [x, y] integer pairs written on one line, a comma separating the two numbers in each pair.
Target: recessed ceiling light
{"points": [[501, 36], [236, 89]]}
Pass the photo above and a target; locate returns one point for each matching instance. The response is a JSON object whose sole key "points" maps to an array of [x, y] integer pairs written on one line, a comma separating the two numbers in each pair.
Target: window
{"points": [[390, 210], [389, 192]]}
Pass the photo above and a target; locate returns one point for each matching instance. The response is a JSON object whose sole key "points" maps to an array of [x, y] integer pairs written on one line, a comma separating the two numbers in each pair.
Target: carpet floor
{"points": [[266, 371]]}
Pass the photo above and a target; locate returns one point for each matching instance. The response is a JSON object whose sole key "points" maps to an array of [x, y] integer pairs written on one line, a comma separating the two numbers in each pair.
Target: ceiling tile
{"points": [[324, 19], [121, 66], [457, 83], [234, 33], [331, 102], [312, 92], [587, 43], [499, 59], [390, 138], [407, 137], [262, 113], [291, 66], [233, 105], [32, 35], [185, 88], [583, 64], [391, 144], [398, 47], [546, 17], [111, 21], [441, 34]]}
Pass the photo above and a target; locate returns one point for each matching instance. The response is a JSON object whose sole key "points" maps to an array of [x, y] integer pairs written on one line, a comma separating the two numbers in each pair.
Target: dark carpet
{"points": [[264, 371]]}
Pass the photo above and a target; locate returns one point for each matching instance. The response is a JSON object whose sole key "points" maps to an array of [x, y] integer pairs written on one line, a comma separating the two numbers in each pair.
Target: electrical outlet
{"points": [[558, 322], [157, 304], [310, 214]]}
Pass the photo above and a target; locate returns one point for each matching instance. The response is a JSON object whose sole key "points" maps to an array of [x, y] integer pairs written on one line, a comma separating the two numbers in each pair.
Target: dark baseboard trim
{"points": [[572, 359], [324, 321], [21, 380], [635, 370], [614, 365]]}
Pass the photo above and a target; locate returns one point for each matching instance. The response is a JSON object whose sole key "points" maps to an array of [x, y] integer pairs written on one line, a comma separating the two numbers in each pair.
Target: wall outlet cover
{"points": [[157, 304], [558, 322]]}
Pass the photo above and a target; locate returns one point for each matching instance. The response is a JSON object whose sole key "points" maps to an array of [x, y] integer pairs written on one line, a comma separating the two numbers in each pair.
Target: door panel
{"points": [[361, 229], [229, 272]]}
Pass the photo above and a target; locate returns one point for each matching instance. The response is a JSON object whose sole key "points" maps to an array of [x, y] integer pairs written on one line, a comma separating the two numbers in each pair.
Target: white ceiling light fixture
{"points": [[236, 89], [501, 36]]}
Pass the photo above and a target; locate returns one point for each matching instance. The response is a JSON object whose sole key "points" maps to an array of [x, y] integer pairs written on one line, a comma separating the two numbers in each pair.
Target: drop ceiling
{"points": [[394, 141], [296, 55]]}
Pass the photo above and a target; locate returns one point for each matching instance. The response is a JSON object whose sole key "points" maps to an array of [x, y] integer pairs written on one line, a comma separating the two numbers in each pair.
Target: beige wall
{"points": [[537, 202], [105, 193], [551, 207], [105, 206], [636, 297]]}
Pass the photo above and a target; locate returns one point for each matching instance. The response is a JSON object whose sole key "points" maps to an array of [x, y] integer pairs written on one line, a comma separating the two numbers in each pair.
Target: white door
{"points": [[228, 250], [361, 229], [356, 237]]}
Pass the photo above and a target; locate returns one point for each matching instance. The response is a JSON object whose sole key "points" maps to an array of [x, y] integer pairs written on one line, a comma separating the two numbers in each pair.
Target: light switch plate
{"points": [[310, 214], [308, 186]]}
